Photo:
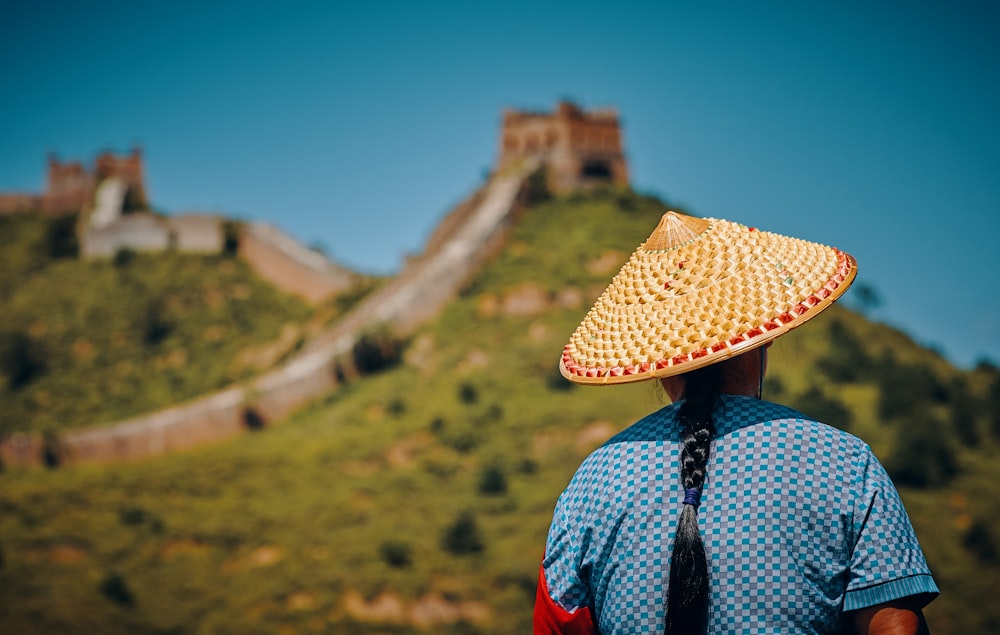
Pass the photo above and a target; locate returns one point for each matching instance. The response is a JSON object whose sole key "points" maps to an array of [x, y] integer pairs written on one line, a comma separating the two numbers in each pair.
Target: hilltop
{"points": [[90, 341], [415, 498]]}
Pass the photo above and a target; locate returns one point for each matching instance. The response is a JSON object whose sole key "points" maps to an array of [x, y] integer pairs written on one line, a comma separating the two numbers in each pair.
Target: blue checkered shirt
{"points": [[800, 522]]}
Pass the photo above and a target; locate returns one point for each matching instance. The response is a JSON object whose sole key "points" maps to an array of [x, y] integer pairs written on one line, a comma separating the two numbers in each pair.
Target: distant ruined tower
{"points": [[578, 148], [70, 187]]}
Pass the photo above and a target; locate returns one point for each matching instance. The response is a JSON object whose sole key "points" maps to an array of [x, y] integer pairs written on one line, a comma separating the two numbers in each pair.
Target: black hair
{"points": [[688, 586]]}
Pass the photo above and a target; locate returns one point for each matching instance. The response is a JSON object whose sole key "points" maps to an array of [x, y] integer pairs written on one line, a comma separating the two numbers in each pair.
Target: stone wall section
{"points": [[145, 231], [141, 231], [290, 266]]}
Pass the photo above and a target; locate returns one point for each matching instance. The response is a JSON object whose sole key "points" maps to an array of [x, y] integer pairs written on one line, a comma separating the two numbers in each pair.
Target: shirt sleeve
{"points": [[886, 562], [564, 598], [562, 566], [552, 619]]}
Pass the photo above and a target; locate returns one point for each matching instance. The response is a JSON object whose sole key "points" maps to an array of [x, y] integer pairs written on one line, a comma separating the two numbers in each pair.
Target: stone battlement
{"points": [[70, 186], [579, 148]]}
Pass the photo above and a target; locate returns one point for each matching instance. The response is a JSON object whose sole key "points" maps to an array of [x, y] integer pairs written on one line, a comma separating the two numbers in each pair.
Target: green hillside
{"points": [[417, 498], [89, 342]]}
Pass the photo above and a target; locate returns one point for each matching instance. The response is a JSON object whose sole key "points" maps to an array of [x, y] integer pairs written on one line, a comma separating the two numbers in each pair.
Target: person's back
{"points": [[791, 513], [800, 529]]}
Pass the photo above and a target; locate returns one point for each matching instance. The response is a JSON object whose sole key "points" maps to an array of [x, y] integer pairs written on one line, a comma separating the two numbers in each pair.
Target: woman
{"points": [[723, 513]]}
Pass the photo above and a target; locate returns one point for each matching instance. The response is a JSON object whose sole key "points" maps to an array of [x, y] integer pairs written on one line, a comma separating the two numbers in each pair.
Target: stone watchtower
{"points": [[70, 187], [578, 148]]}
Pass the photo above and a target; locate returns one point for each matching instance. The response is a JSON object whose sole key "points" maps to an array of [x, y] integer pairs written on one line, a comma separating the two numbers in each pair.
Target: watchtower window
{"points": [[597, 170]]}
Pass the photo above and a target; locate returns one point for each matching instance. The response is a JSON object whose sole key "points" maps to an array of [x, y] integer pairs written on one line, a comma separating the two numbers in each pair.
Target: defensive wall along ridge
{"points": [[468, 235]]}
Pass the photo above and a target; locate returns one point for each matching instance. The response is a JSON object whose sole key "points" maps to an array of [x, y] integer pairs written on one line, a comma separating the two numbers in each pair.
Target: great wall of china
{"points": [[415, 295], [575, 150]]}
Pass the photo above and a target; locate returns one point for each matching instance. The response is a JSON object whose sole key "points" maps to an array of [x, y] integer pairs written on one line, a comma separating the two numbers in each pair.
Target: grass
{"points": [[90, 342], [275, 530]]}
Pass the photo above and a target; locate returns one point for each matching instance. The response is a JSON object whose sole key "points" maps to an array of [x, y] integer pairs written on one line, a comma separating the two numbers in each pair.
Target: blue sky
{"points": [[870, 126]]}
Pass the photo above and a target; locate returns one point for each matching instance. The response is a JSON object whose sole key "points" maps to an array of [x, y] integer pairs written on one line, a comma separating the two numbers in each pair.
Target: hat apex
{"points": [[675, 230]]}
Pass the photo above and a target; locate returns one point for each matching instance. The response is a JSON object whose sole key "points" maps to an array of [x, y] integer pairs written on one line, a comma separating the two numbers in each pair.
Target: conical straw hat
{"points": [[698, 291]]}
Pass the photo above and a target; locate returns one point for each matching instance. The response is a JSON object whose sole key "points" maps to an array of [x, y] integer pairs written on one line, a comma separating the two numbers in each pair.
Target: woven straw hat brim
{"points": [[699, 291]]}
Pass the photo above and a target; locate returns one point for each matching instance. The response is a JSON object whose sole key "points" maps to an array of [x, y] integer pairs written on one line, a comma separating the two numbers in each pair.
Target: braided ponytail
{"points": [[688, 586]]}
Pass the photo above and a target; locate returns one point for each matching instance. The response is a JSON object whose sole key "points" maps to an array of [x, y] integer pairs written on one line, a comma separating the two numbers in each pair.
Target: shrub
{"points": [[132, 515], [527, 466], [156, 326], [395, 553], [830, 410], [493, 414], [61, 237], [556, 382], [993, 407], [865, 298], [467, 393], [906, 389], [923, 455], [774, 388], [123, 258], [462, 537], [437, 425], [536, 188], [253, 419], [847, 360], [114, 588], [978, 540], [376, 350], [51, 450], [463, 441], [492, 481], [964, 414], [22, 360], [396, 407], [230, 238]]}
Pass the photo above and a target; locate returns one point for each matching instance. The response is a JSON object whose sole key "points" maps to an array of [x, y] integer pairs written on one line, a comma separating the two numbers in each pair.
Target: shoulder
{"points": [[636, 448], [660, 425], [737, 412], [753, 427]]}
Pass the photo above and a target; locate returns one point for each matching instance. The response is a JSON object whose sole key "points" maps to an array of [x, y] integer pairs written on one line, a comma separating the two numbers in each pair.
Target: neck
{"points": [[740, 375]]}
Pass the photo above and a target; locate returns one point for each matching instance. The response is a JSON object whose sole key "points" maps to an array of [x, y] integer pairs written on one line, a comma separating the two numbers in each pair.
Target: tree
{"points": [[906, 389], [866, 298], [61, 237], [114, 587], [924, 455], [964, 414], [493, 481], [462, 537], [395, 553], [847, 360], [376, 350], [830, 410], [21, 360]]}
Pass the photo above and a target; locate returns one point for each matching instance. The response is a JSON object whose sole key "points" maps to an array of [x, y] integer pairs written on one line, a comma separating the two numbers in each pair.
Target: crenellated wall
{"points": [[579, 148]]}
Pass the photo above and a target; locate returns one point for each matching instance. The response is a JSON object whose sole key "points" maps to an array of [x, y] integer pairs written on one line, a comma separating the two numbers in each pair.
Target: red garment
{"points": [[552, 619]]}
